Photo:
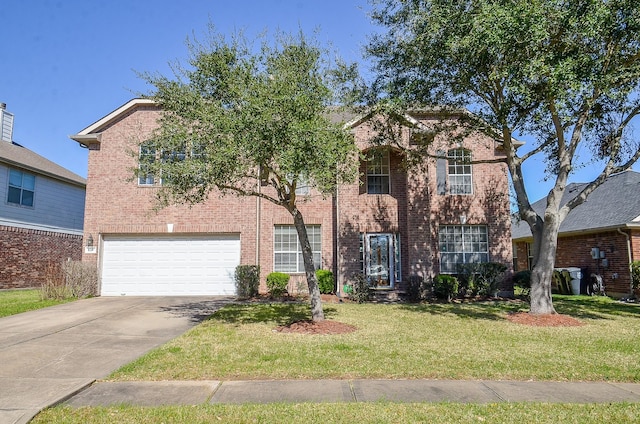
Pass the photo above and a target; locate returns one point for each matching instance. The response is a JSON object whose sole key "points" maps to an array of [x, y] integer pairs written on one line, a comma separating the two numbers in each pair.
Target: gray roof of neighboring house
{"points": [[614, 204], [16, 155]]}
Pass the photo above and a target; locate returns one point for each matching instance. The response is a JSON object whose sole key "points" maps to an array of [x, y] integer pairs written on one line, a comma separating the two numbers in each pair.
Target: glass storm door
{"points": [[380, 260]]}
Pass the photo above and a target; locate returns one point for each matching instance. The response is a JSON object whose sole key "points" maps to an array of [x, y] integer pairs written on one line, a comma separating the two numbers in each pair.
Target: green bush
{"points": [[483, 278], [326, 282], [277, 283], [361, 292], [445, 286], [416, 289], [247, 278], [522, 279], [635, 275]]}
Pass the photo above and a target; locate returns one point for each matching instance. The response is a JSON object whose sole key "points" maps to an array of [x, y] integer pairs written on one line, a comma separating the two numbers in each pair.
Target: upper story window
{"points": [[459, 171], [378, 171], [21, 188], [147, 157]]}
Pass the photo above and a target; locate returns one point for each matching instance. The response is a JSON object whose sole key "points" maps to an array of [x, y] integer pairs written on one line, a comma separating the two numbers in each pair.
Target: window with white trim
{"points": [[146, 158], [462, 244], [22, 188], [460, 171], [378, 172], [287, 251]]}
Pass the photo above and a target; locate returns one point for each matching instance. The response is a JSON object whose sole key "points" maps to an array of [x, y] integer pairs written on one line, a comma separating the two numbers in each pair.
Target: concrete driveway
{"points": [[49, 354]]}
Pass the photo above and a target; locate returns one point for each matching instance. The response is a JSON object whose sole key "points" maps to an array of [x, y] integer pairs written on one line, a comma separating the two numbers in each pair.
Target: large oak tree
{"points": [[564, 73], [251, 122]]}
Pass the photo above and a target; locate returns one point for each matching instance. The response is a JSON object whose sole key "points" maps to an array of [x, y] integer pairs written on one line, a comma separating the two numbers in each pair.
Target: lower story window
{"points": [[462, 244], [287, 251]]}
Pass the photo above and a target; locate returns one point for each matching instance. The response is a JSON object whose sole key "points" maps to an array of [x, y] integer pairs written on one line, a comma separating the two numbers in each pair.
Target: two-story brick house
{"points": [[395, 222], [41, 212]]}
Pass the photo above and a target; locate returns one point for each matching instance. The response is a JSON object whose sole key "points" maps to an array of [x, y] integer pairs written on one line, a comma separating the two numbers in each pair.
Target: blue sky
{"points": [[68, 63]]}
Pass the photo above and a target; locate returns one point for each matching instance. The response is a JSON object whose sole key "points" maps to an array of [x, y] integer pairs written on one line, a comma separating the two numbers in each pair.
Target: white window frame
{"points": [[287, 253], [462, 244], [379, 169], [23, 187], [460, 171], [146, 178]]}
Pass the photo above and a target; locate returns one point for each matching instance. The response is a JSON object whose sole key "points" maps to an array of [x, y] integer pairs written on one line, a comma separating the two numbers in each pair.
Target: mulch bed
{"points": [[551, 320], [320, 327]]}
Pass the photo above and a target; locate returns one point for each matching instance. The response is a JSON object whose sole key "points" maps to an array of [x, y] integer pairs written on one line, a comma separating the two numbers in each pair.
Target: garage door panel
{"points": [[173, 265]]}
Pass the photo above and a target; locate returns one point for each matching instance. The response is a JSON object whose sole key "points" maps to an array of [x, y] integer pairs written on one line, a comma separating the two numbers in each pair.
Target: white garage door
{"points": [[169, 265]]}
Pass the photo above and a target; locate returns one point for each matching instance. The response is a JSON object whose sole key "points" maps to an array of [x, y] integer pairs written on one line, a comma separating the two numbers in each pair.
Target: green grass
{"points": [[351, 412], [17, 301], [443, 341]]}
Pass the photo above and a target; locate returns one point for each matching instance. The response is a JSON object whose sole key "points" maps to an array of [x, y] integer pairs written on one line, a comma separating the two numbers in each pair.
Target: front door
{"points": [[380, 260]]}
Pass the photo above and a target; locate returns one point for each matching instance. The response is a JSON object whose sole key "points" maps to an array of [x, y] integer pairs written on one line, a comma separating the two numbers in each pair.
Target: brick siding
{"points": [[25, 254], [115, 204]]}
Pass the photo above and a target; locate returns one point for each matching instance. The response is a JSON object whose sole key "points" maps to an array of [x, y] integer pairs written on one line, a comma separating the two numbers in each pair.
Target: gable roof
{"points": [[93, 133], [614, 204], [18, 156]]}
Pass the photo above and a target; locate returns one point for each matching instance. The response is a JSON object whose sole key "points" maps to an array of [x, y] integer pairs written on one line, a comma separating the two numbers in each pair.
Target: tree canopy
{"points": [[251, 122], [565, 73]]}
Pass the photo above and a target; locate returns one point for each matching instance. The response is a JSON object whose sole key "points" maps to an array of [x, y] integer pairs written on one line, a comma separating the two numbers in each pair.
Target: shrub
{"points": [[80, 278], [361, 292], [635, 275], [247, 279], [277, 283], [69, 279], [483, 278], [326, 283], [416, 289], [522, 279], [445, 286]]}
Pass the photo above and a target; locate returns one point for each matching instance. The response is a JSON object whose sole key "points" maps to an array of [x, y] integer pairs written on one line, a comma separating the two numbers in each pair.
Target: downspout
{"points": [[337, 253], [630, 259], [258, 216]]}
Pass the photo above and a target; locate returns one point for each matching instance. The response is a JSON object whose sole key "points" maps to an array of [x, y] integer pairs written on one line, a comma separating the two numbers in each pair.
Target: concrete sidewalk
{"points": [[297, 391]]}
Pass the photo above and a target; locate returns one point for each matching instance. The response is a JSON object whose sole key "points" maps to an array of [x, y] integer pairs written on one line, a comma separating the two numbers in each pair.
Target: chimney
{"points": [[6, 124]]}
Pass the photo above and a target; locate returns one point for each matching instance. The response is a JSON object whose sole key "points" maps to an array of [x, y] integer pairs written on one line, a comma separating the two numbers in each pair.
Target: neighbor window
{"points": [[459, 171], [287, 250], [21, 188], [462, 244], [378, 173]]}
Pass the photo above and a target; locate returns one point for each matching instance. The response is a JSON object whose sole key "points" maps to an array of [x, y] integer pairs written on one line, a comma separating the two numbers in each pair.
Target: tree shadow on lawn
{"points": [[494, 311], [595, 307], [277, 313], [196, 311], [581, 307]]}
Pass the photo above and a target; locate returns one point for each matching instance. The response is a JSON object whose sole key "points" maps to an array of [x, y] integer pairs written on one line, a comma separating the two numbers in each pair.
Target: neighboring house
{"points": [[392, 224], [41, 212], [601, 236]]}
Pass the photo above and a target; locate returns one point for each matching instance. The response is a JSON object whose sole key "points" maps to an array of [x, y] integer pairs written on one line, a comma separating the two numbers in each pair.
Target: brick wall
{"points": [[575, 251], [116, 204], [26, 253]]}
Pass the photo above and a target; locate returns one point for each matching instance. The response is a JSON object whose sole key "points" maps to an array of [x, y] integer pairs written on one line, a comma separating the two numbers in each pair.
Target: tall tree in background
{"points": [[565, 73], [248, 123]]}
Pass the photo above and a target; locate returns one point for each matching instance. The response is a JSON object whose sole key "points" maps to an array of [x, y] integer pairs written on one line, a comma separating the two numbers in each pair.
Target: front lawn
{"points": [[380, 412], [439, 341], [17, 301]]}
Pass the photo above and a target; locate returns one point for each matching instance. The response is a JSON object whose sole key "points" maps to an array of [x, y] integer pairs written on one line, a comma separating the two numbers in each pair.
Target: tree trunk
{"points": [[317, 314], [545, 243]]}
